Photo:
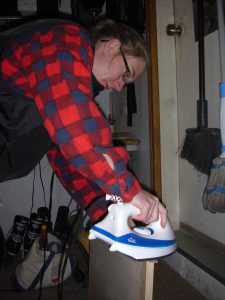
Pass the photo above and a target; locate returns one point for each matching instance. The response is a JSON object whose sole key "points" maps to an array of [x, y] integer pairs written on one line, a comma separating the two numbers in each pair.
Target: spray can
{"points": [[14, 241], [61, 224], [44, 214], [33, 230]]}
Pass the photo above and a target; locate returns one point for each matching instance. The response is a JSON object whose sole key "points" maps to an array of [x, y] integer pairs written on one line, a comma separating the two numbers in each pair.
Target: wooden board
{"points": [[115, 276]]}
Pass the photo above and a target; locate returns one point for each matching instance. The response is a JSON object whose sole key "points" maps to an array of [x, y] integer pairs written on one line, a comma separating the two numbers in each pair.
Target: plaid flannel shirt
{"points": [[53, 66]]}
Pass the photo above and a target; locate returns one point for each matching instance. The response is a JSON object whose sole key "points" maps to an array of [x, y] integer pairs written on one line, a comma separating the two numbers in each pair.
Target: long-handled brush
{"points": [[214, 193], [202, 144]]}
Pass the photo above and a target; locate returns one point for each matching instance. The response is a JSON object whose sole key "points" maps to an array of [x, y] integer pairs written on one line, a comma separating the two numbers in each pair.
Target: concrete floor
{"points": [[168, 285]]}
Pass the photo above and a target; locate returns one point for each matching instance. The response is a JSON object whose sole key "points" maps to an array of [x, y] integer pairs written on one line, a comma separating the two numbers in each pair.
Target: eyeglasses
{"points": [[127, 76]]}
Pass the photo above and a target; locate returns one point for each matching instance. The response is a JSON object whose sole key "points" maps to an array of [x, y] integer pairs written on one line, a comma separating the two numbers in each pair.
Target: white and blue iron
{"points": [[149, 242]]}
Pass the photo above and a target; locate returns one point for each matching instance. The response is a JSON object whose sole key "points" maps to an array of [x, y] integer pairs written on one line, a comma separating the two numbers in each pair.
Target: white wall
{"points": [[16, 196], [140, 129], [103, 100]]}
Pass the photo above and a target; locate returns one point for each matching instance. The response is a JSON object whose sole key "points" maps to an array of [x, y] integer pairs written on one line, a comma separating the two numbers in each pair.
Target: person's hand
{"points": [[150, 208]]}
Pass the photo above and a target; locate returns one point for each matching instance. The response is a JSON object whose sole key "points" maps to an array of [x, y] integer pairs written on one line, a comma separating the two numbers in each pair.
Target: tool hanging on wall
{"points": [[214, 194], [201, 144], [48, 8]]}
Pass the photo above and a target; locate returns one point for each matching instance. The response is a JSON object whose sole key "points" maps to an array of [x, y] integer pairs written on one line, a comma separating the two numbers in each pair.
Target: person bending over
{"points": [[58, 67]]}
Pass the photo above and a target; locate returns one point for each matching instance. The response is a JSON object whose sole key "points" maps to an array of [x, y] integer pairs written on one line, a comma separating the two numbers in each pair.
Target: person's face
{"points": [[115, 69]]}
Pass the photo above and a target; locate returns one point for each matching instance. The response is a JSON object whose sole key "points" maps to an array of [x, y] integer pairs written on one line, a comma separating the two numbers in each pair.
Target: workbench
{"points": [[115, 276]]}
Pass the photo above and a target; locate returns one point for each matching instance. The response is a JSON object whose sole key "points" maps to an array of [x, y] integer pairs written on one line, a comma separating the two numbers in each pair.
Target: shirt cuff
{"points": [[131, 192]]}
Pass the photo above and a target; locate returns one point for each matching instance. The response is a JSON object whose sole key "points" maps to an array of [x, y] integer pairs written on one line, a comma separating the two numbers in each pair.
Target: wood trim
{"points": [[153, 90], [203, 237], [149, 279]]}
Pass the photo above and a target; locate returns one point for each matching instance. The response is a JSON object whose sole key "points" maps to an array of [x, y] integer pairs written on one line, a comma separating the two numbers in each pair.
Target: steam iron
{"points": [[149, 242]]}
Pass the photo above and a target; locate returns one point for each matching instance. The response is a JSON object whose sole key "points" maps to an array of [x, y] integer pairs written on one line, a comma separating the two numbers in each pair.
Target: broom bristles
{"points": [[200, 147], [214, 193]]}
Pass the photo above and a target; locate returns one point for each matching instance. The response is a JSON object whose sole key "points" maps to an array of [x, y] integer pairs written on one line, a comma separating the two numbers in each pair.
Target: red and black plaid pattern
{"points": [[53, 66]]}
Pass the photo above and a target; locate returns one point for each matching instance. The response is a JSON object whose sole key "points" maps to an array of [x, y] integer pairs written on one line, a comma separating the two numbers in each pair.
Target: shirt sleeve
{"points": [[58, 64], [82, 190]]}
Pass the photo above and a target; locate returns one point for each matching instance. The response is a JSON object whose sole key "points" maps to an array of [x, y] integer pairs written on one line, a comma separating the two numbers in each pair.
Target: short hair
{"points": [[132, 42]]}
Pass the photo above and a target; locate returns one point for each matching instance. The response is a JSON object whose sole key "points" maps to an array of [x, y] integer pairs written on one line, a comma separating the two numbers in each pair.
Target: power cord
{"points": [[32, 197], [42, 184], [48, 226], [43, 268], [71, 199], [70, 235]]}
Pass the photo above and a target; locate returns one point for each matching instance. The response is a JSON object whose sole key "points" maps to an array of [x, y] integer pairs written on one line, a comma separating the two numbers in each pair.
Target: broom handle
{"points": [[202, 105], [221, 33], [201, 51]]}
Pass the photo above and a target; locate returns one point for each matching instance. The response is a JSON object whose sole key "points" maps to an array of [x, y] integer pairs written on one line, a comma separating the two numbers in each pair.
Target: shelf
{"points": [[126, 140]]}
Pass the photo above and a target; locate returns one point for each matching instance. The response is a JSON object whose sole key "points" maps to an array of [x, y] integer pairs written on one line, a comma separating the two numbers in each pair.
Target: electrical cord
{"points": [[44, 250], [44, 253], [43, 269], [5, 260], [49, 219], [32, 197], [72, 211], [70, 202], [42, 184], [70, 235], [48, 227], [50, 199]]}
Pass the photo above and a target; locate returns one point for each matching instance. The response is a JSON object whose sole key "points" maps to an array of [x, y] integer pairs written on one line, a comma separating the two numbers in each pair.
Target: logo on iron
{"points": [[151, 230], [131, 240]]}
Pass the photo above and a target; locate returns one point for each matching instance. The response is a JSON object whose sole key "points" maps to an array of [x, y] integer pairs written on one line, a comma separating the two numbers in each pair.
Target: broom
{"points": [[214, 193], [201, 145]]}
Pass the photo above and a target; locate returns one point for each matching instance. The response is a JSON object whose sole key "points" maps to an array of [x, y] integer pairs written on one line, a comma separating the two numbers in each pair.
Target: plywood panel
{"points": [[113, 275]]}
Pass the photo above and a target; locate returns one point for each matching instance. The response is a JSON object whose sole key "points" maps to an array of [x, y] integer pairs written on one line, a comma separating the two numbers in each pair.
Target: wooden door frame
{"points": [[153, 99]]}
